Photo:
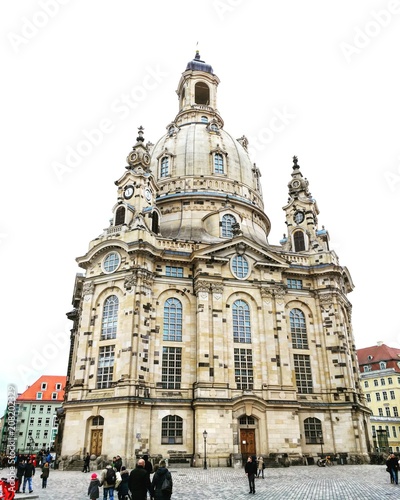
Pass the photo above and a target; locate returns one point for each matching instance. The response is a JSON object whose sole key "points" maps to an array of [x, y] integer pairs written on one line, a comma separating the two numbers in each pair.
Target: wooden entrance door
{"points": [[247, 443], [96, 442]]}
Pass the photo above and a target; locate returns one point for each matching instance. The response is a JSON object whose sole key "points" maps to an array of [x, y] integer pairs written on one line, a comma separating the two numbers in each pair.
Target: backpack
{"points": [[110, 476], [166, 486]]}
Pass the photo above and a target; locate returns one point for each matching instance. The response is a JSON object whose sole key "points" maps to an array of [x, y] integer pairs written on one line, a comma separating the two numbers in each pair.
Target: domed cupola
{"points": [[205, 176]]}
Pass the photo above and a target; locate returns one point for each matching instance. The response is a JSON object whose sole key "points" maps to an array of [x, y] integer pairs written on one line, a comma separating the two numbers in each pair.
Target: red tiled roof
{"points": [[378, 353], [50, 380]]}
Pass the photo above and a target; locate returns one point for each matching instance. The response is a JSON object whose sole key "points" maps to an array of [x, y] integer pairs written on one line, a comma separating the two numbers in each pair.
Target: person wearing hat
{"points": [[93, 490]]}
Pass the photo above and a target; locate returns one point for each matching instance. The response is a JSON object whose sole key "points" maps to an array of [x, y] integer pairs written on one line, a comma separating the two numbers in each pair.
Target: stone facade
{"points": [[187, 319]]}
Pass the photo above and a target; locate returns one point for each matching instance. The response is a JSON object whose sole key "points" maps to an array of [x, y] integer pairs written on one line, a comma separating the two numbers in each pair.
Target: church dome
{"points": [[200, 167]]}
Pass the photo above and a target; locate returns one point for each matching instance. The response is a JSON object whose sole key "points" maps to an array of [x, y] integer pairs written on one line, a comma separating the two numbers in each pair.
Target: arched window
{"points": [[110, 318], [226, 225], [298, 329], [172, 320], [201, 93], [164, 172], [299, 243], [204, 119], [313, 431], [99, 420], [155, 226], [218, 163], [241, 322], [172, 430], [120, 216]]}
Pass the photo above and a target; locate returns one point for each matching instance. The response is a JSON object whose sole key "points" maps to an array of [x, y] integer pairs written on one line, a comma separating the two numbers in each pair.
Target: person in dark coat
{"points": [[94, 485], [118, 463], [139, 482], [392, 464], [20, 472], [123, 488], [29, 473], [45, 474], [147, 464], [251, 471], [161, 473], [86, 463]]}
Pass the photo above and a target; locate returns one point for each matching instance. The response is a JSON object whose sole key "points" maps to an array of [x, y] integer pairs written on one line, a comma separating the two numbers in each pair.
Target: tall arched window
{"points": [[120, 216], [155, 226], [227, 222], [110, 318], [313, 431], [172, 430], [299, 243], [164, 172], [241, 322], [218, 163], [298, 329], [201, 93], [172, 320]]}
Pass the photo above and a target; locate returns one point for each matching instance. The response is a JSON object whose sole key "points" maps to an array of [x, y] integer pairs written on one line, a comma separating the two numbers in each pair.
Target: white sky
{"points": [[331, 68]]}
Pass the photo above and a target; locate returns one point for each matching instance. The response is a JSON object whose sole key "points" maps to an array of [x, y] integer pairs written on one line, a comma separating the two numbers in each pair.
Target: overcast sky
{"points": [[317, 79]]}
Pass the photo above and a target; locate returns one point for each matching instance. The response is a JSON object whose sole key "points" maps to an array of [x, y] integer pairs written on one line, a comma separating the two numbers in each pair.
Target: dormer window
{"points": [[201, 93], [164, 171], [226, 225], [367, 368], [382, 365], [204, 119], [44, 386], [120, 216], [218, 163]]}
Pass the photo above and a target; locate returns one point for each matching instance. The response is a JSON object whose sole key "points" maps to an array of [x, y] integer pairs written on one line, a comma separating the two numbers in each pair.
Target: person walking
{"points": [[123, 488], [45, 474], [260, 466], [161, 474], [108, 480], [94, 485], [86, 463], [251, 471], [392, 464], [139, 482], [28, 475]]}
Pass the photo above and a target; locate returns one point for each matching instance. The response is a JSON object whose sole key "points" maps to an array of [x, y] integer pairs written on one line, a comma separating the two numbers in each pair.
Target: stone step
{"points": [[22, 496]]}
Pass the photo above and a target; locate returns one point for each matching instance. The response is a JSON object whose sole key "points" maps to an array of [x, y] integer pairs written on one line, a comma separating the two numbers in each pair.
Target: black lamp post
{"points": [[321, 441], [205, 449]]}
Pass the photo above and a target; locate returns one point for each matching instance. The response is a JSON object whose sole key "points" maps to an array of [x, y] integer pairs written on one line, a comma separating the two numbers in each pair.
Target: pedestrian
{"points": [[139, 482], [123, 488], [118, 463], [20, 472], [94, 485], [251, 471], [161, 474], [45, 474], [260, 466], [86, 463], [28, 474], [108, 480], [147, 464], [392, 464]]}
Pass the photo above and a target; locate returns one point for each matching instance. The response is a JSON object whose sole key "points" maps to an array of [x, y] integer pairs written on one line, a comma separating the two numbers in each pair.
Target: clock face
{"points": [[147, 194], [298, 217], [295, 183], [128, 192]]}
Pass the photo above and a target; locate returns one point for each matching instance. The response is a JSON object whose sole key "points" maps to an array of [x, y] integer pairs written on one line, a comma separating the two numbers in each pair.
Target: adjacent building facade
{"points": [[187, 319], [380, 378], [37, 422]]}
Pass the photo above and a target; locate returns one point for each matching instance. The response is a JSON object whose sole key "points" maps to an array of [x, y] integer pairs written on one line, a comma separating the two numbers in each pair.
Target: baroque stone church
{"points": [[188, 320]]}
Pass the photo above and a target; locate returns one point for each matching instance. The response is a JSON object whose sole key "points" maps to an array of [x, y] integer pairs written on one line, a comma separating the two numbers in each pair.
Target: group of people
{"points": [[254, 468], [26, 468], [132, 485]]}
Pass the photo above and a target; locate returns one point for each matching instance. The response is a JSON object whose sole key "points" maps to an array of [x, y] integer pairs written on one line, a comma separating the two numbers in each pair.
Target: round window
{"points": [[111, 262]]}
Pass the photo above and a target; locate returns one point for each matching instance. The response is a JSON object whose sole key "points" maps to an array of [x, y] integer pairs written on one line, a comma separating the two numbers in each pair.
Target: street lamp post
{"points": [[321, 442], [205, 449]]}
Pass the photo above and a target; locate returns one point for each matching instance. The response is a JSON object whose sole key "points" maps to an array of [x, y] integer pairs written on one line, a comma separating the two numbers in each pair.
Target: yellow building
{"points": [[188, 320], [380, 377]]}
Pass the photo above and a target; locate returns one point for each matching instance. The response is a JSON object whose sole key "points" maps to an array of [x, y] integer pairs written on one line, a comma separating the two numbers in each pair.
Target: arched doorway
{"points": [[96, 435], [247, 433]]}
